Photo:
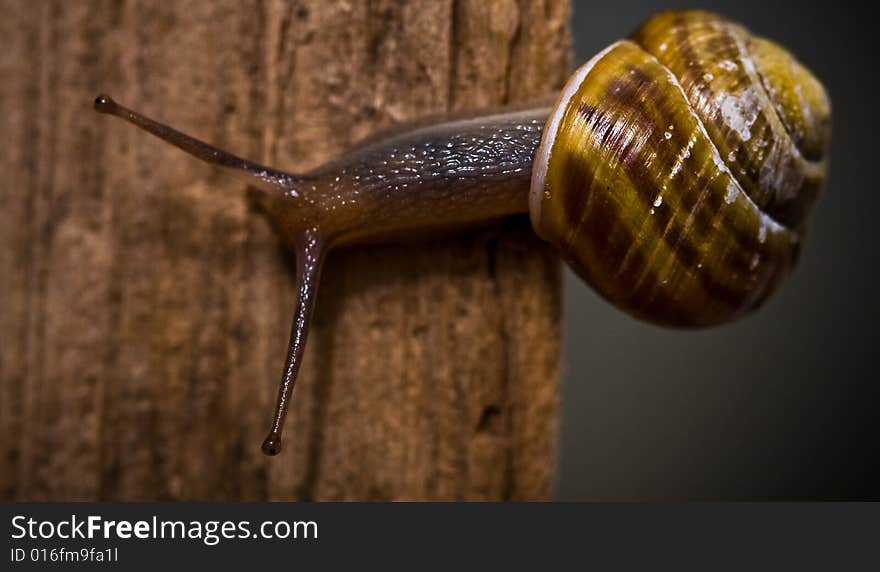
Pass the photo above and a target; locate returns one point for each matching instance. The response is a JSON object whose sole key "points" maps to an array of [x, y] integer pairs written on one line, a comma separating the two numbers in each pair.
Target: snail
{"points": [[674, 172]]}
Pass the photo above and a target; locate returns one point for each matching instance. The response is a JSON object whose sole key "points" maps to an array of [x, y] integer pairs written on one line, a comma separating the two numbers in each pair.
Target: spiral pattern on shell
{"points": [[678, 169]]}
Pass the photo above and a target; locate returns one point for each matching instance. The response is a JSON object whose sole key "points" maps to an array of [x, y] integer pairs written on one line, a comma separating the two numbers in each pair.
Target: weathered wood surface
{"points": [[146, 301]]}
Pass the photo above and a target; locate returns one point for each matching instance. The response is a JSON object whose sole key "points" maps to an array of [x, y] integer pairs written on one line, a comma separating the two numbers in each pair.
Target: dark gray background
{"points": [[780, 405]]}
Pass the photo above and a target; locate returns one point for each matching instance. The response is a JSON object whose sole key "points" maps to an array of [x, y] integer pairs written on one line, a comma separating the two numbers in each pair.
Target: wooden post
{"points": [[146, 301]]}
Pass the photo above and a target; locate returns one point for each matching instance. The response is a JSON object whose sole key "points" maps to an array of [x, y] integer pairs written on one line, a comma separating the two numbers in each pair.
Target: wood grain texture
{"points": [[146, 301]]}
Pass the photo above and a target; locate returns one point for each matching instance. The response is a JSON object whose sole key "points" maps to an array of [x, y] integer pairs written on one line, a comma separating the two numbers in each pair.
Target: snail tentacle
{"points": [[267, 179], [311, 251]]}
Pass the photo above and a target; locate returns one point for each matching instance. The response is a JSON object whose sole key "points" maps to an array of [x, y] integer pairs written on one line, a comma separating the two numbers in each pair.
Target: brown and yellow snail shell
{"points": [[678, 168]]}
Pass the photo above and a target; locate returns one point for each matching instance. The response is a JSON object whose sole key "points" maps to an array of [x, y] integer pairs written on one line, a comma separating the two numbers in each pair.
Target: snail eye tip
{"points": [[104, 103], [272, 445]]}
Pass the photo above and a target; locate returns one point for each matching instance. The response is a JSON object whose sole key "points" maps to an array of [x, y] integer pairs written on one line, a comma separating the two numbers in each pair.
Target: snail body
{"points": [[675, 173]]}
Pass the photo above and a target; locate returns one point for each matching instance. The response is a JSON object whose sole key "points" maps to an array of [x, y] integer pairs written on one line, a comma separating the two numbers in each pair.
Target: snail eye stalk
{"points": [[264, 178]]}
